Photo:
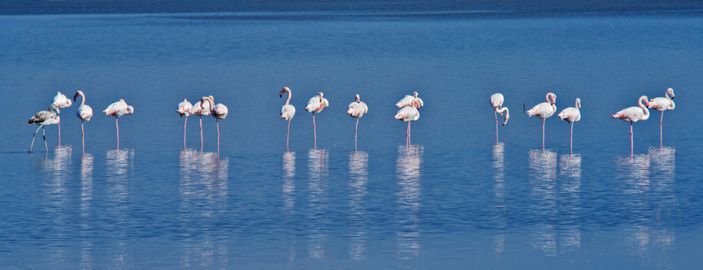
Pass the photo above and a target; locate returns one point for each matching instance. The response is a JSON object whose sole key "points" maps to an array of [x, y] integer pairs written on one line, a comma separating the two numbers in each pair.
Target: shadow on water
{"points": [[203, 190], [408, 174]]}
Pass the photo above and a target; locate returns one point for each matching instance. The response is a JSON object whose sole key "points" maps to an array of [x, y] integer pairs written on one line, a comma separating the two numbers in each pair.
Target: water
{"points": [[452, 199]]}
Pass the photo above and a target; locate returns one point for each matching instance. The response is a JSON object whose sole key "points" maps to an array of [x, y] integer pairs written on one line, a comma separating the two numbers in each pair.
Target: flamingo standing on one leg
{"points": [[356, 110], [497, 103], [571, 115], [409, 111], [315, 105], [662, 104], [203, 108], [219, 111], [43, 119], [184, 109], [632, 115], [118, 109], [287, 111], [544, 110], [84, 113], [61, 102]]}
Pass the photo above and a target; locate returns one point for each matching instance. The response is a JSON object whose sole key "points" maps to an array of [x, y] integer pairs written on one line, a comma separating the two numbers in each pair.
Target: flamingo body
{"points": [[117, 110], [663, 103], [84, 113], [544, 110], [411, 100], [407, 114], [220, 112], [633, 115], [287, 111], [315, 105], [43, 119], [184, 108], [571, 114], [357, 109]]}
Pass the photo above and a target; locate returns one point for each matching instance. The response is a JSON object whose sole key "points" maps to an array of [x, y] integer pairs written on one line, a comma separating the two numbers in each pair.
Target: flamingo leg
{"points": [[31, 146], [201, 133], [661, 130], [496, 116], [59, 142], [571, 139], [544, 121], [356, 134], [185, 126], [288, 136], [314, 131], [632, 145], [409, 132], [117, 127], [43, 131], [218, 136], [83, 137]]}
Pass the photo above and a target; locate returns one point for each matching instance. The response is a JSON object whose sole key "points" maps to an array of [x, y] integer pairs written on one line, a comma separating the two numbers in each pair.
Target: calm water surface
{"points": [[453, 199]]}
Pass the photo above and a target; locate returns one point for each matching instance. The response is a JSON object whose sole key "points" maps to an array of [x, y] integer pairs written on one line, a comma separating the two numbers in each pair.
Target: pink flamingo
{"points": [[220, 112], [632, 115], [409, 112], [43, 119], [287, 111], [184, 109], [84, 113], [662, 104], [203, 108], [61, 102], [315, 105], [118, 109], [544, 110], [571, 115], [356, 110], [497, 103]]}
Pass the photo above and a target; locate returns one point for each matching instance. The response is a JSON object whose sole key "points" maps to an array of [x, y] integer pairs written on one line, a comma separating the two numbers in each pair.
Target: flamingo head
{"points": [[416, 94], [357, 98], [78, 94], [130, 110], [551, 98], [670, 93], [321, 94], [644, 100], [284, 90], [578, 103]]}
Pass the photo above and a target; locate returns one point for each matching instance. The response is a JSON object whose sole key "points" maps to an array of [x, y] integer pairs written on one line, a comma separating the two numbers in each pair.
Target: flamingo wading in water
{"points": [[184, 109], [287, 111], [632, 115], [356, 110], [220, 112], [571, 115], [61, 102], [43, 119], [84, 113], [315, 105], [544, 110], [118, 109], [497, 103], [409, 112], [203, 108], [662, 104]]}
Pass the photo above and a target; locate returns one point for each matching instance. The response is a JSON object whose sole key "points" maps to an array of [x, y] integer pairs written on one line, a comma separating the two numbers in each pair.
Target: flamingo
{"points": [[287, 111], [184, 109], [356, 110], [634, 114], [662, 104], [84, 113], [61, 102], [118, 109], [544, 110], [497, 103], [571, 115], [220, 112], [409, 111], [43, 119], [315, 105], [200, 108]]}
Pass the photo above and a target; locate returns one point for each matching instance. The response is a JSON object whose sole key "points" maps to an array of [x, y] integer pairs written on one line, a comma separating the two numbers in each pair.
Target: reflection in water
{"points": [[569, 202], [288, 190], [358, 174], [636, 187], [499, 190], [408, 169], [203, 193], [317, 185], [119, 163], [543, 168], [86, 199], [57, 192], [664, 172]]}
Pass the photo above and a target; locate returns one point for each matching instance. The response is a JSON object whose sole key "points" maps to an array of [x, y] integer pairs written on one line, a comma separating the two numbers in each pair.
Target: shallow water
{"points": [[453, 199]]}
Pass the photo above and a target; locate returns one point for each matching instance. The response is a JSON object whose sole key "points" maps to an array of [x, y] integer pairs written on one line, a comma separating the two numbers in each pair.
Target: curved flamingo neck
{"points": [[642, 106], [82, 99]]}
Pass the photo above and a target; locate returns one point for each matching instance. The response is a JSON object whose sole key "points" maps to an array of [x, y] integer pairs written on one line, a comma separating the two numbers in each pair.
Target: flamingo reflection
{"points": [[317, 187], [358, 174], [408, 169]]}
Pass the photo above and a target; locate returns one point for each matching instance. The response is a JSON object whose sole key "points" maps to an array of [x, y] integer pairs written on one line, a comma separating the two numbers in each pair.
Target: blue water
{"points": [[454, 199]]}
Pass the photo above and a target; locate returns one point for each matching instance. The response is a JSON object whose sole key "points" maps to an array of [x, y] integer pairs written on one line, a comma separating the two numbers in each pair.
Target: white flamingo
{"points": [[184, 109], [61, 102], [544, 110], [203, 108], [571, 115], [409, 112], [84, 113], [287, 111], [497, 103], [356, 110], [315, 105], [43, 119], [632, 115], [662, 104], [220, 112], [118, 109]]}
